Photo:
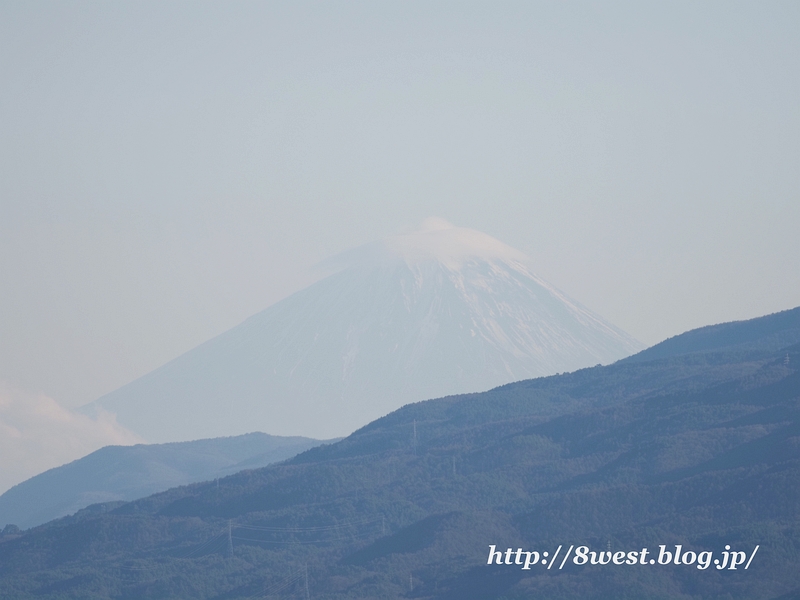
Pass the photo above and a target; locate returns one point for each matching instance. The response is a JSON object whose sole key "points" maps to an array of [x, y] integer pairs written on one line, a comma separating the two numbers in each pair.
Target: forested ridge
{"points": [[698, 445]]}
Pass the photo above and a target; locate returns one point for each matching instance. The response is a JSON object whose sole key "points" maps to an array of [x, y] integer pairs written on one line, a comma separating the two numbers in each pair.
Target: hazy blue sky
{"points": [[168, 169]]}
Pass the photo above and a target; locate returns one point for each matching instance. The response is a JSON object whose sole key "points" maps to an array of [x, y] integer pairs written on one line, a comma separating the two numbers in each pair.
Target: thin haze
{"points": [[168, 169]]}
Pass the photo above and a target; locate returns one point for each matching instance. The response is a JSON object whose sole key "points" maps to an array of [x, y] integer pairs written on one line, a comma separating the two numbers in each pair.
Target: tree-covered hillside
{"points": [[699, 449]]}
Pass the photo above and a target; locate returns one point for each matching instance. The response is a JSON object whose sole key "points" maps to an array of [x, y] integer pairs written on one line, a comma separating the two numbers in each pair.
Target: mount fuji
{"points": [[439, 311]]}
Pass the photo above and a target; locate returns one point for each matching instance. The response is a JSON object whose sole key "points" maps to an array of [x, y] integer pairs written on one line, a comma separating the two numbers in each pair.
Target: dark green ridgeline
{"points": [[697, 444]]}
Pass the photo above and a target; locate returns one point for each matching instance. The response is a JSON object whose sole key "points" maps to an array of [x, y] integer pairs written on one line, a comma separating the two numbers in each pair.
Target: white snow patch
{"points": [[434, 240]]}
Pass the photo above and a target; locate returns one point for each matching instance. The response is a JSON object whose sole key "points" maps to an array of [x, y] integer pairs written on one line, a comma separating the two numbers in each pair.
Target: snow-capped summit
{"points": [[436, 311], [435, 240]]}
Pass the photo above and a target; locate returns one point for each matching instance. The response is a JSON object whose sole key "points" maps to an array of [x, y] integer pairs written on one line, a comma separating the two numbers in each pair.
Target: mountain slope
{"points": [[770, 332], [440, 311], [698, 450], [117, 473]]}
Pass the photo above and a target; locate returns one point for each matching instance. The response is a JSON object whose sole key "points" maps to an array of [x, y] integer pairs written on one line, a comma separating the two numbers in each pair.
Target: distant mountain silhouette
{"points": [[117, 473], [439, 311]]}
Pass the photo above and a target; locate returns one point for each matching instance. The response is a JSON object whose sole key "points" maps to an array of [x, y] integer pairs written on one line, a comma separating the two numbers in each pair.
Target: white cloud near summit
{"points": [[37, 434]]}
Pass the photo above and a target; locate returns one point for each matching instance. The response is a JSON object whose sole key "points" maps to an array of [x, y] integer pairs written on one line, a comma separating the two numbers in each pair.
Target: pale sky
{"points": [[168, 169]]}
